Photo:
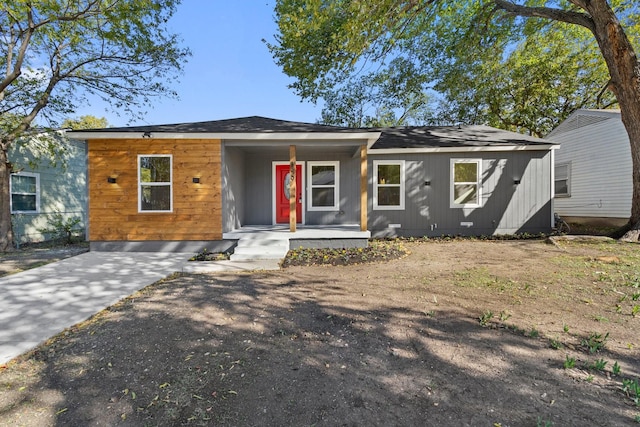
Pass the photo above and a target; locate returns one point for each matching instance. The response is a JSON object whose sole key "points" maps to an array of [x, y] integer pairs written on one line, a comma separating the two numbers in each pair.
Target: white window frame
{"points": [[376, 185], [568, 179], [478, 183], [37, 193], [335, 186], [155, 184]]}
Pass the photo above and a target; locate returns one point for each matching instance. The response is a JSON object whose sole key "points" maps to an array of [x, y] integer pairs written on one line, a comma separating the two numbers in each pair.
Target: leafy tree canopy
{"points": [[484, 65], [58, 54], [394, 96], [519, 64], [85, 122]]}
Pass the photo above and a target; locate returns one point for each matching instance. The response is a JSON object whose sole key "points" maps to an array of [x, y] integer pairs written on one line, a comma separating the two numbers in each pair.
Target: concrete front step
{"points": [[252, 248], [262, 242]]}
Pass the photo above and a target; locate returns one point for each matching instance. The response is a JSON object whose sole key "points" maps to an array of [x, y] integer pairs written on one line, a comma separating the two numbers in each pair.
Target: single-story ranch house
{"points": [[205, 185]]}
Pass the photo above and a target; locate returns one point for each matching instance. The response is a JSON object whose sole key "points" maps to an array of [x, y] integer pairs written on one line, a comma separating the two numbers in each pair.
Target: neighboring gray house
{"points": [[46, 185], [202, 182], [593, 181]]}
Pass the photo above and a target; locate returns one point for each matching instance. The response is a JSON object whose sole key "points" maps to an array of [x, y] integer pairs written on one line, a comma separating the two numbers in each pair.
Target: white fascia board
{"points": [[370, 137], [381, 151]]}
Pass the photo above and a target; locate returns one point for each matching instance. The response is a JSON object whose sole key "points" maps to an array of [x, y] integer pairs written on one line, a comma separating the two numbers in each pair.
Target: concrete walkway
{"points": [[40, 303]]}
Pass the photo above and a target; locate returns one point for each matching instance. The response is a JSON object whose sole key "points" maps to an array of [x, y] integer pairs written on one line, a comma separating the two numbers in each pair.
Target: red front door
{"points": [[282, 193]]}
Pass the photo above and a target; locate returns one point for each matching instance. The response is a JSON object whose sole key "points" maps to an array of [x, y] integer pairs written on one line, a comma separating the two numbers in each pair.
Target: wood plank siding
{"points": [[113, 208]]}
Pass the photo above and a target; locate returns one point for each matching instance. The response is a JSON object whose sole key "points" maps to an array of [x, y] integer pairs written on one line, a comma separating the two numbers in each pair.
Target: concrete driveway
{"points": [[39, 303]]}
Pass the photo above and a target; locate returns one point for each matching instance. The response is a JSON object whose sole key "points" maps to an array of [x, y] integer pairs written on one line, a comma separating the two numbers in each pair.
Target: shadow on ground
{"points": [[285, 348]]}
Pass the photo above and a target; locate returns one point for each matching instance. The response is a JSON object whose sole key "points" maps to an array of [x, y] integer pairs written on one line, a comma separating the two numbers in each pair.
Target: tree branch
{"points": [[567, 16], [601, 93]]}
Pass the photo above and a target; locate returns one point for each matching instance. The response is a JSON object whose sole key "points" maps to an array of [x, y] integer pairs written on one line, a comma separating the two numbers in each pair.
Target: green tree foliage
{"points": [[394, 96], [484, 67], [530, 89], [85, 122], [56, 54], [521, 65]]}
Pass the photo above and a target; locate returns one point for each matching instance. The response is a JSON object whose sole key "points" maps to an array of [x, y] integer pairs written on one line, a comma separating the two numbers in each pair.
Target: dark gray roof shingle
{"points": [[253, 124], [451, 136], [391, 137]]}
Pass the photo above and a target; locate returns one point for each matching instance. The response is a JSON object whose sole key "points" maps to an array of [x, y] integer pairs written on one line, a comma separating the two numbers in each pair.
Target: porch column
{"points": [[364, 202], [293, 192]]}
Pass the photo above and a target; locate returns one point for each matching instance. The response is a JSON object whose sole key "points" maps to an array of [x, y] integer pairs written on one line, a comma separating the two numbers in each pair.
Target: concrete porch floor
{"points": [[303, 232]]}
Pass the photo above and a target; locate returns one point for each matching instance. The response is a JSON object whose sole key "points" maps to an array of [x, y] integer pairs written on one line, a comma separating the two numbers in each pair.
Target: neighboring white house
{"points": [[593, 181]]}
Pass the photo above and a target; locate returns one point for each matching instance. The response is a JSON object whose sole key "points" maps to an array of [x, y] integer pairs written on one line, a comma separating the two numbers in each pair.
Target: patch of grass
{"points": [[595, 342], [485, 317], [569, 362], [632, 389], [615, 369], [543, 423], [555, 344], [534, 333], [480, 277], [599, 365]]}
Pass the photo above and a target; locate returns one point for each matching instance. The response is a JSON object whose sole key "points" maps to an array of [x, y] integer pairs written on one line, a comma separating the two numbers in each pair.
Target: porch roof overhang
{"points": [[247, 138]]}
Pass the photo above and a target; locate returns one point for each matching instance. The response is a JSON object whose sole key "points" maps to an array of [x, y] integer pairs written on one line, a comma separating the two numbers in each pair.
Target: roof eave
{"points": [[490, 148], [370, 137]]}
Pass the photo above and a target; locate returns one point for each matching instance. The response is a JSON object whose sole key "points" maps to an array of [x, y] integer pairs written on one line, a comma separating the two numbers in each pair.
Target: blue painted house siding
{"points": [[59, 189]]}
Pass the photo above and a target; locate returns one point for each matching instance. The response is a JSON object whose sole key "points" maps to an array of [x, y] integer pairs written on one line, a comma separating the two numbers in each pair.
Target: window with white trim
{"points": [[563, 180], [388, 184], [25, 192], [323, 179], [155, 192], [466, 186]]}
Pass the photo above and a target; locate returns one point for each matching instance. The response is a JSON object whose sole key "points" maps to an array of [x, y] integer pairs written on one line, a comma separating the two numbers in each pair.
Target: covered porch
{"points": [[316, 186]]}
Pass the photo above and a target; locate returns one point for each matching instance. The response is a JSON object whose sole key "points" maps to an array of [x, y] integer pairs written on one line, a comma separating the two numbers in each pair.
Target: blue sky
{"points": [[231, 73]]}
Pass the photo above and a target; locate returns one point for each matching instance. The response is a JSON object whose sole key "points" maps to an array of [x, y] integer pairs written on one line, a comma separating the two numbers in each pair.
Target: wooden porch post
{"points": [[364, 202], [293, 191]]}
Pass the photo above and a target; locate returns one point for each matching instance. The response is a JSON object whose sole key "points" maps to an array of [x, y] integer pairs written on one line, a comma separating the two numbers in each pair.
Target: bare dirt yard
{"points": [[460, 333]]}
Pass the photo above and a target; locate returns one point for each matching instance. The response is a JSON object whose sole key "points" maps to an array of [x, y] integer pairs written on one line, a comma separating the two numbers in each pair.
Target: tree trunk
{"points": [[624, 69], [633, 129], [6, 231]]}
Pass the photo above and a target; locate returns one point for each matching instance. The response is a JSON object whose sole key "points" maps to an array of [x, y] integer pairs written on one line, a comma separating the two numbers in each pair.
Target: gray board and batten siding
{"points": [[248, 185], [506, 207], [516, 182]]}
